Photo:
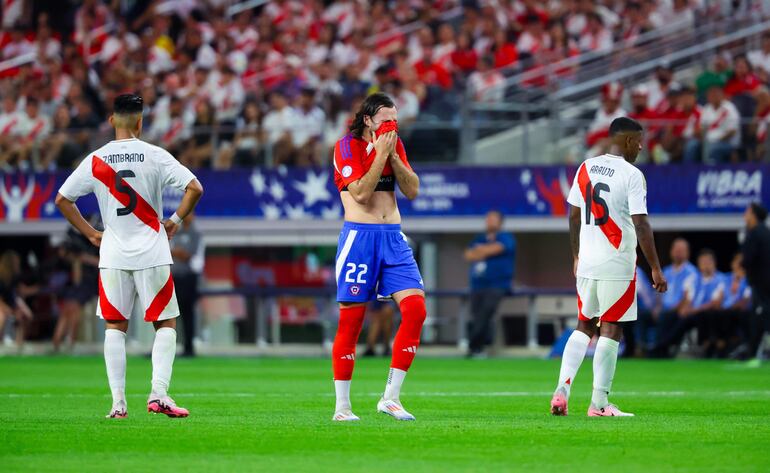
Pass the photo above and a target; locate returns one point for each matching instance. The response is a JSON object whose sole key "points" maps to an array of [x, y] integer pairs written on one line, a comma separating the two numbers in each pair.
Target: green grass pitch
{"points": [[472, 415]]}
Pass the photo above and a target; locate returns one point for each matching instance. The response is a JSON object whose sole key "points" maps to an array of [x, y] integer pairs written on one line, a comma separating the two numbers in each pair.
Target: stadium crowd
{"points": [[722, 117], [275, 84]]}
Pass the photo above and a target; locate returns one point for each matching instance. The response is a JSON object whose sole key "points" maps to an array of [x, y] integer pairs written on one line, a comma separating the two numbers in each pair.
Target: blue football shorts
{"points": [[373, 262]]}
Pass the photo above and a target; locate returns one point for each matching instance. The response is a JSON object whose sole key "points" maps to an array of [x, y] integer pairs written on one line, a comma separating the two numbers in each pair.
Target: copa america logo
{"points": [[354, 290]]}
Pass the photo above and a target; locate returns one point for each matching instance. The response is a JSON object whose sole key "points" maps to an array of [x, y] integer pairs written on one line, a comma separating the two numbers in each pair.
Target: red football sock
{"points": [[344, 349], [408, 336]]}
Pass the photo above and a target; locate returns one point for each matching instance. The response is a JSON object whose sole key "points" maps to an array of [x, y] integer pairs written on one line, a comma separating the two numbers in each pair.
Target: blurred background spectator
{"points": [[187, 250], [380, 327], [756, 260], [492, 256]]}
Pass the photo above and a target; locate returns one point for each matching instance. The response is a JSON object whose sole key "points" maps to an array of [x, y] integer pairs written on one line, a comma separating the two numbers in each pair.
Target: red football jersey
{"points": [[354, 156]]}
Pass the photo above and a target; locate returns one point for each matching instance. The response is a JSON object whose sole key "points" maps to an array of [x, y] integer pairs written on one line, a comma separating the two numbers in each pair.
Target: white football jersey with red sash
{"points": [[608, 191], [128, 178]]}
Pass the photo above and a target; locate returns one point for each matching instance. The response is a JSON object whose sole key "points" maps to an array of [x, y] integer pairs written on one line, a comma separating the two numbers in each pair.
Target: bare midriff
{"points": [[381, 208]]}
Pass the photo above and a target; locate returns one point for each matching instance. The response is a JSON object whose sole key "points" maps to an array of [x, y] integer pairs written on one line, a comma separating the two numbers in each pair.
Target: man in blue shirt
{"points": [[735, 309], [682, 277], [698, 312], [491, 255]]}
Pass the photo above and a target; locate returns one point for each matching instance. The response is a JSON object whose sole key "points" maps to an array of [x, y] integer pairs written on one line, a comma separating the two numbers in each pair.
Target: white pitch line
{"points": [[417, 394]]}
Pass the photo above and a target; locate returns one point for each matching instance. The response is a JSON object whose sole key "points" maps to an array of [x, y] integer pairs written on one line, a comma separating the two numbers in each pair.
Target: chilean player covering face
{"points": [[608, 216], [128, 177], [373, 257]]}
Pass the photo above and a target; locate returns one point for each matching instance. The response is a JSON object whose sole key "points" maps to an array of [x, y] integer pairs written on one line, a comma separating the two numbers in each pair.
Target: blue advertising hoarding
{"points": [[301, 194]]}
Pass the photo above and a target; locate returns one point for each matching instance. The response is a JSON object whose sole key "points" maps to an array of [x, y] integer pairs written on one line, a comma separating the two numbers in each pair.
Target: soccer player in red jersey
{"points": [[374, 260], [128, 176]]}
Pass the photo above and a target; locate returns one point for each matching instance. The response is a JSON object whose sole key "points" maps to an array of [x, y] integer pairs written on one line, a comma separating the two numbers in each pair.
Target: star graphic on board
{"points": [[277, 190], [526, 177], [531, 196], [331, 213], [295, 213], [271, 212], [314, 188], [258, 182], [49, 208]]}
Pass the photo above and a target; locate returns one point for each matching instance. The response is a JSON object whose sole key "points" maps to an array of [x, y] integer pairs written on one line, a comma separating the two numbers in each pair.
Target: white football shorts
{"points": [[119, 288], [612, 301]]}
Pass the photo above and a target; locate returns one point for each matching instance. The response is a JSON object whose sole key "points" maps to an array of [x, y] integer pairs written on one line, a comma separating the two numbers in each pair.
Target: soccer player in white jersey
{"points": [[608, 215], [128, 176]]}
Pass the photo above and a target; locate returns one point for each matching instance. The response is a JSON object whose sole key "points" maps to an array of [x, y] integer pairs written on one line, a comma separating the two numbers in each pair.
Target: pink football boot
{"points": [[610, 410], [559, 403], [166, 405]]}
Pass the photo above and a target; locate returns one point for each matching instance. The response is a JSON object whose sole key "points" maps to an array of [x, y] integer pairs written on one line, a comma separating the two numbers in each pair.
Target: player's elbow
{"points": [[195, 187], [361, 196], [60, 201]]}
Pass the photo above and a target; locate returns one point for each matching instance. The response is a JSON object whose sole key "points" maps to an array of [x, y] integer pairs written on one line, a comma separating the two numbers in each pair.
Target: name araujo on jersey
{"points": [[601, 170]]}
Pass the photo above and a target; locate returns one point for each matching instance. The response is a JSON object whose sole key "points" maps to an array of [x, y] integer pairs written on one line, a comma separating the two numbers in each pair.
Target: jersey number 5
{"points": [[593, 195], [124, 188]]}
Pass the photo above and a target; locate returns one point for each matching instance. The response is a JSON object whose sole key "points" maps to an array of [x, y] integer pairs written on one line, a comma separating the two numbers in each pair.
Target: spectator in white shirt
{"points": [[308, 129], [406, 101], [719, 131], [487, 84], [760, 59], [597, 138], [277, 127], [10, 121], [35, 127], [17, 46], [596, 37], [659, 86], [228, 97], [534, 39], [172, 129]]}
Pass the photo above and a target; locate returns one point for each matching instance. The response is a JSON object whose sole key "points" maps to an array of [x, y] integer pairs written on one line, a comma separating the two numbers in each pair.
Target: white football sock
{"points": [[574, 352], [342, 390], [115, 359], [163, 351], [605, 360], [393, 386]]}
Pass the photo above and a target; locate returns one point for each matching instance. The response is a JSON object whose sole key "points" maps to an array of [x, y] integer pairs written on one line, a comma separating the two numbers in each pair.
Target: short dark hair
{"points": [[623, 125], [128, 104], [707, 252], [499, 213], [759, 211], [369, 108]]}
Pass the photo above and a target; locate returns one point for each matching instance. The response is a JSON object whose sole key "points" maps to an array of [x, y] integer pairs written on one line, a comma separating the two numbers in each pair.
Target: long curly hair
{"points": [[369, 108]]}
